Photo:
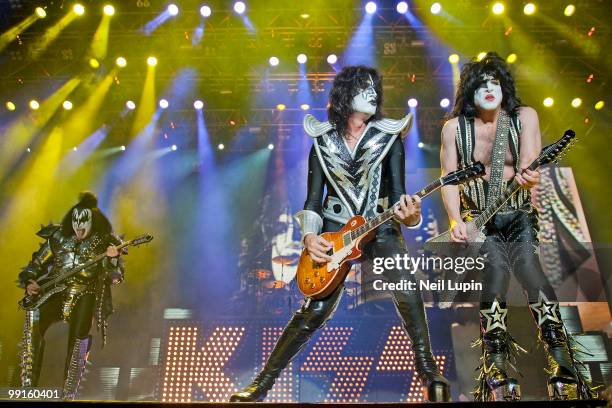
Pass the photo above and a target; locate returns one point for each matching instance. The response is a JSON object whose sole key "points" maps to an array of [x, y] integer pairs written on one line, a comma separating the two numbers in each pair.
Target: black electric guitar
{"points": [[55, 284], [549, 154]]}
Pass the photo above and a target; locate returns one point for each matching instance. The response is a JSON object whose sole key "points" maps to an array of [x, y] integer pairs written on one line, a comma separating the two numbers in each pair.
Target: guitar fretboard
{"points": [[374, 222]]}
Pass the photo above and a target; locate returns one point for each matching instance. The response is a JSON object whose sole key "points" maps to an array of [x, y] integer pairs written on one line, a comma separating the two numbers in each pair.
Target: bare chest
{"points": [[484, 137]]}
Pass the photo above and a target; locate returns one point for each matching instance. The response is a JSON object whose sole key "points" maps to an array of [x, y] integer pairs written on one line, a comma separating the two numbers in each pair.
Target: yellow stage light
{"points": [[481, 55], [281, 107], [121, 62], [511, 58], [152, 61], [94, 63], [78, 9], [529, 9], [67, 105], [40, 12], [599, 105], [304, 106], [548, 102], [569, 10], [498, 8], [34, 105], [109, 10], [576, 102], [10, 106], [453, 58]]}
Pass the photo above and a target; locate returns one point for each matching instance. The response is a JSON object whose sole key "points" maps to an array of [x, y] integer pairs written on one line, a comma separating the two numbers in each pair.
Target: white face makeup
{"points": [[489, 95], [81, 222], [365, 100]]}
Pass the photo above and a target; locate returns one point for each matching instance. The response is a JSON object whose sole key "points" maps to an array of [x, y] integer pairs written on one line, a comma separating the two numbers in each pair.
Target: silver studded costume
{"points": [[86, 294]]}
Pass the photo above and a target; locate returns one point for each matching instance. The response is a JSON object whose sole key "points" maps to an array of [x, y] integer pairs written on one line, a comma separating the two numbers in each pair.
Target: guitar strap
{"points": [[498, 157]]}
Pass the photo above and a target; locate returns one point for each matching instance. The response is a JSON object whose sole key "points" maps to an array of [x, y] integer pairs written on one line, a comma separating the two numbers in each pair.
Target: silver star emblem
{"points": [[496, 316], [546, 310]]}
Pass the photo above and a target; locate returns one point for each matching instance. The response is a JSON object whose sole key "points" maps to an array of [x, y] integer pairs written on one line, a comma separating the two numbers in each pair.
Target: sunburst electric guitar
{"points": [[318, 280]]}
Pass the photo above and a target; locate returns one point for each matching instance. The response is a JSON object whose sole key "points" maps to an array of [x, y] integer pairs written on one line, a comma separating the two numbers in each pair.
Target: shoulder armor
{"points": [[393, 126], [314, 128], [47, 231]]}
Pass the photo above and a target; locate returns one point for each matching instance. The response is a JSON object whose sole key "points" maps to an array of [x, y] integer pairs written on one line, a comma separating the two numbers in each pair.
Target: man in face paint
{"points": [[358, 159], [489, 124], [83, 234]]}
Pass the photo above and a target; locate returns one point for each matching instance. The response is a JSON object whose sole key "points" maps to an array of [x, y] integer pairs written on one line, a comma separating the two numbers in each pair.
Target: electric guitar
{"points": [[318, 280], [52, 285], [549, 154]]}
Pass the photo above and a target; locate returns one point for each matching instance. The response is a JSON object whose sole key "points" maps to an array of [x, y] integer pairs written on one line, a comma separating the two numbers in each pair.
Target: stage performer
{"points": [[358, 157], [84, 233], [489, 124]]}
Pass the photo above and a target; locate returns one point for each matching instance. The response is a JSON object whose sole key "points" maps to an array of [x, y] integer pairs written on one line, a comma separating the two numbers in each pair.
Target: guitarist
{"points": [[489, 124], [358, 157], [84, 233]]}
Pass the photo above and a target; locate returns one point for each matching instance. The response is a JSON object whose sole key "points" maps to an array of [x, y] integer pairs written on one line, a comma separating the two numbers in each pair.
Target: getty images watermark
{"points": [[458, 265]]}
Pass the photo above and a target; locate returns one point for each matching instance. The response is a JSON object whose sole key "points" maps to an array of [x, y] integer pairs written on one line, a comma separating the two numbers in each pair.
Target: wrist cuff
{"points": [[310, 223]]}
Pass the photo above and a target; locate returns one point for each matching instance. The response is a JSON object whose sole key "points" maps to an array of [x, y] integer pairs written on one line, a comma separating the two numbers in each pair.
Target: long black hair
{"points": [[471, 78], [350, 81], [87, 200]]}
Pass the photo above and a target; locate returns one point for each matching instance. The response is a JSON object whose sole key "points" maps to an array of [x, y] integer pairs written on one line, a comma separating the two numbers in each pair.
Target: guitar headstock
{"points": [[461, 176], [555, 151], [141, 239]]}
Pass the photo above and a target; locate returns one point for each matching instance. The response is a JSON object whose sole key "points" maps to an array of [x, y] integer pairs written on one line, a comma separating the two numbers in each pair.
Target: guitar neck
{"points": [[385, 216], [79, 268], [496, 205]]}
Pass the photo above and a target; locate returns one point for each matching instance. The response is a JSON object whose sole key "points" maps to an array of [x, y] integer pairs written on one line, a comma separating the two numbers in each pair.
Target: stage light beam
{"points": [[481, 56], [498, 8], [332, 58], [10, 106], [576, 102], [599, 105], [239, 7], [402, 7], [151, 61], [412, 102], [109, 10], [198, 104], [270, 146], [121, 62], [273, 61], [94, 63], [67, 105], [435, 8], [205, 11], [511, 59], [304, 106], [163, 103], [40, 12], [548, 102], [130, 105], [78, 9], [453, 58], [172, 9], [34, 105], [281, 107], [445, 103], [370, 7], [569, 11], [302, 58], [529, 9]]}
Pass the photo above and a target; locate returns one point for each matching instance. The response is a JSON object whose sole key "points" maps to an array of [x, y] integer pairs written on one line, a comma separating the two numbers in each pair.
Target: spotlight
{"points": [[445, 103], [239, 7], [172, 9], [130, 105], [412, 102], [67, 105], [511, 58], [109, 10], [174, 148], [205, 11], [121, 62], [122, 148], [498, 8], [28, 150], [40, 12], [281, 107], [402, 7], [435, 8], [74, 149], [421, 145], [220, 146], [163, 103], [152, 61], [529, 9], [481, 56], [304, 106], [370, 7], [576, 102], [198, 104], [453, 58], [599, 105], [78, 9], [569, 10], [548, 102], [332, 59], [273, 61], [94, 63], [34, 104], [270, 146], [302, 58], [10, 106]]}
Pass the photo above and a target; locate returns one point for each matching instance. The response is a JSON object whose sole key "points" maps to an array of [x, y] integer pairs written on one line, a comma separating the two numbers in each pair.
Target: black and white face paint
{"points": [[365, 100], [81, 222], [489, 94]]}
